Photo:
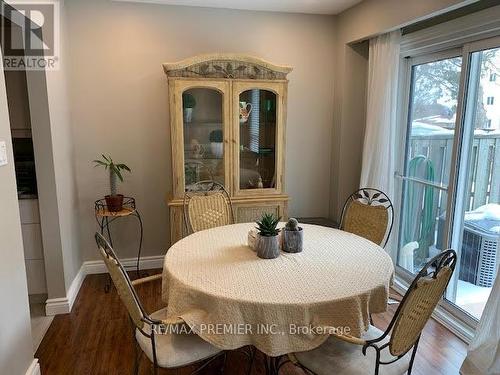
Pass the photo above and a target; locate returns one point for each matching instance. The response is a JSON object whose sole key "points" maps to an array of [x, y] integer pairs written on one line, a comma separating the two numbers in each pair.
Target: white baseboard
{"points": [[56, 306], [34, 368], [97, 266]]}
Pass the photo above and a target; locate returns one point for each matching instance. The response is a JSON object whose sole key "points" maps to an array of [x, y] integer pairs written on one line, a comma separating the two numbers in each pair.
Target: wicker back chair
{"points": [[391, 351], [368, 213], [419, 302], [122, 283], [164, 349], [207, 205]]}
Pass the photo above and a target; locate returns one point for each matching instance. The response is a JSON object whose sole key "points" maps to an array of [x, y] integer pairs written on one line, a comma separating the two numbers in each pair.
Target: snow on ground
{"points": [[472, 298]]}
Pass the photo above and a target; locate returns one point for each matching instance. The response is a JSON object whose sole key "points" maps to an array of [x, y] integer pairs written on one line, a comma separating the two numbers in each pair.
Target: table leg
{"points": [[138, 216], [109, 232], [105, 224]]}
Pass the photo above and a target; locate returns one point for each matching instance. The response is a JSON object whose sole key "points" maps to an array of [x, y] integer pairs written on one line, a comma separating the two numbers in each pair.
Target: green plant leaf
{"points": [[267, 225], [123, 166], [117, 172]]}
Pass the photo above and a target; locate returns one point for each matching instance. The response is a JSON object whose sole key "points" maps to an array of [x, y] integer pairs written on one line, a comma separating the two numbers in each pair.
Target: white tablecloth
{"points": [[232, 298]]}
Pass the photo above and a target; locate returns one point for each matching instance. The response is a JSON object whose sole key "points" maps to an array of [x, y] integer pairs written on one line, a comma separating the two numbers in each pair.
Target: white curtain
{"points": [[483, 357], [379, 149]]}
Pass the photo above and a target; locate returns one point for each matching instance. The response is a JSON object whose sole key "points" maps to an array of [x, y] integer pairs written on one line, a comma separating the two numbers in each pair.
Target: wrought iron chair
{"points": [[381, 353], [207, 205], [155, 334], [368, 213]]}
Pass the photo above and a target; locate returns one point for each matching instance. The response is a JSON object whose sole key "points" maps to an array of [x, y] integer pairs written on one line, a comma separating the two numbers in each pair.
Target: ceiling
{"points": [[290, 6]]}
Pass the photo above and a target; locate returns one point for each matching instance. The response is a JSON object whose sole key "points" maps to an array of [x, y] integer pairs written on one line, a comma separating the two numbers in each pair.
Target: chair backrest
{"points": [[207, 205], [122, 282], [368, 213], [420, 301]]}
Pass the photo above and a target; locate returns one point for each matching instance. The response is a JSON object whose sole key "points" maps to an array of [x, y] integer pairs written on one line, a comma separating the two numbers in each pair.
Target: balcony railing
{"points": [[484, 176]]}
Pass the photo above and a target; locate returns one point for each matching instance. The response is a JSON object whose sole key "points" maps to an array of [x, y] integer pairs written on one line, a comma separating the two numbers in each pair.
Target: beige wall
{"points": [[118, 100], [16, 352], [64, 161], [372, 17], [54, 159], [368, 18], [117, 97]]}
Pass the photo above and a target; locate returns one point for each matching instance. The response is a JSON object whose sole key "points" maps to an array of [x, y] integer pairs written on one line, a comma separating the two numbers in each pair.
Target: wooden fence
{"points": [[484, 178]]}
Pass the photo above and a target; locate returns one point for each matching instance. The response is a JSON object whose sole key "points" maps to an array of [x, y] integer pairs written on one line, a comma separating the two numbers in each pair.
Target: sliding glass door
{"points": [[430, 138], [476, 229], [450, 180]]}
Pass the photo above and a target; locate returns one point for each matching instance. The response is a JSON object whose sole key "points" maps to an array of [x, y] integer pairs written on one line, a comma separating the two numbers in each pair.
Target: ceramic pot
{"points": [[253, 239], [188, 114], [293, 240], [217, 149], [114, 202], [268, 247]]}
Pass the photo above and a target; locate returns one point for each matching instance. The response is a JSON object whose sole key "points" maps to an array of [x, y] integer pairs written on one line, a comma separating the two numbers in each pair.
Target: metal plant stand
{"points": [[104, 218]]}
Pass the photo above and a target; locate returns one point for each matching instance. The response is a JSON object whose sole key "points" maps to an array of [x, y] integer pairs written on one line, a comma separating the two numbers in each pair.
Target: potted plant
{"points": [[216, 143], [114, 201], [188, 103], [268, 246], [293, 237]]}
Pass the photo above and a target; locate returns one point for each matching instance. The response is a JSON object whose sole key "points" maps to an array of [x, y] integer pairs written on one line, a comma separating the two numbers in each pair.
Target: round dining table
{"points": [[232, 298]]}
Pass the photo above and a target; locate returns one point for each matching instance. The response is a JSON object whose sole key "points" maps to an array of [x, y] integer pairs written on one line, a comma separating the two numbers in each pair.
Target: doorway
{"points": [[27, 190]]}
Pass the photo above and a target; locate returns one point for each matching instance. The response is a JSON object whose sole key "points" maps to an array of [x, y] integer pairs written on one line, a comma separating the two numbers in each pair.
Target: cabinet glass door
{"points": [[257, 139], [203, 129]]}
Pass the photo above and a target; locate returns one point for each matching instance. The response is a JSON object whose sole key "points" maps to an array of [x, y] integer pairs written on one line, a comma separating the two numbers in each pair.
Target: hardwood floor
{"points": [[96, 338]]}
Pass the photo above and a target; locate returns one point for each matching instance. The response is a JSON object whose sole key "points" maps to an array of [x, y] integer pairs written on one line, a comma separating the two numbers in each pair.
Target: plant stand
{"points": [[104, 218]]}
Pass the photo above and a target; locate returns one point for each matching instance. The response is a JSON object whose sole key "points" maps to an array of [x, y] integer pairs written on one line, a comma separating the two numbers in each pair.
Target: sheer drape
{"points": [[379, 148], [380, 134], [483, 357]]}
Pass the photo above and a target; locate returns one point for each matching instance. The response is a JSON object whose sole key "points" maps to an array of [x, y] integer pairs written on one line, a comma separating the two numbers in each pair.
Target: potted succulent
{"points": [[293, 237], [268, 246], [216, 143], [114, 201], [188, 103]]}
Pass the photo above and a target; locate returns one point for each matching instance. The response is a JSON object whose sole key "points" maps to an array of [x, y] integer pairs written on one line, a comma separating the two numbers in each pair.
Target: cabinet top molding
{"points": [[226, 65]]}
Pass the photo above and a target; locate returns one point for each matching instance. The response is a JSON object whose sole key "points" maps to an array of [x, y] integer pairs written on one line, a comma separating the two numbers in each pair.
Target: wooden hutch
{"points": [[227, 121]]}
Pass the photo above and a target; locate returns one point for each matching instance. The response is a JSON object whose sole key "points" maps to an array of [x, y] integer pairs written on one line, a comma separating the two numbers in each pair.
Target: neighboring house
{"points": [[490, 83]]}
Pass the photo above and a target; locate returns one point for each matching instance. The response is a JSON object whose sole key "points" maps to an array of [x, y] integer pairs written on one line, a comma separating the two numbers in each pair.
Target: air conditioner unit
{"points": [[480, 253]]}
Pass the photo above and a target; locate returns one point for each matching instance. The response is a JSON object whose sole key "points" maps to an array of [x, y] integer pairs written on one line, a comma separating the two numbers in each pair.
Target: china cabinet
{"points": [[227, 122]]}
